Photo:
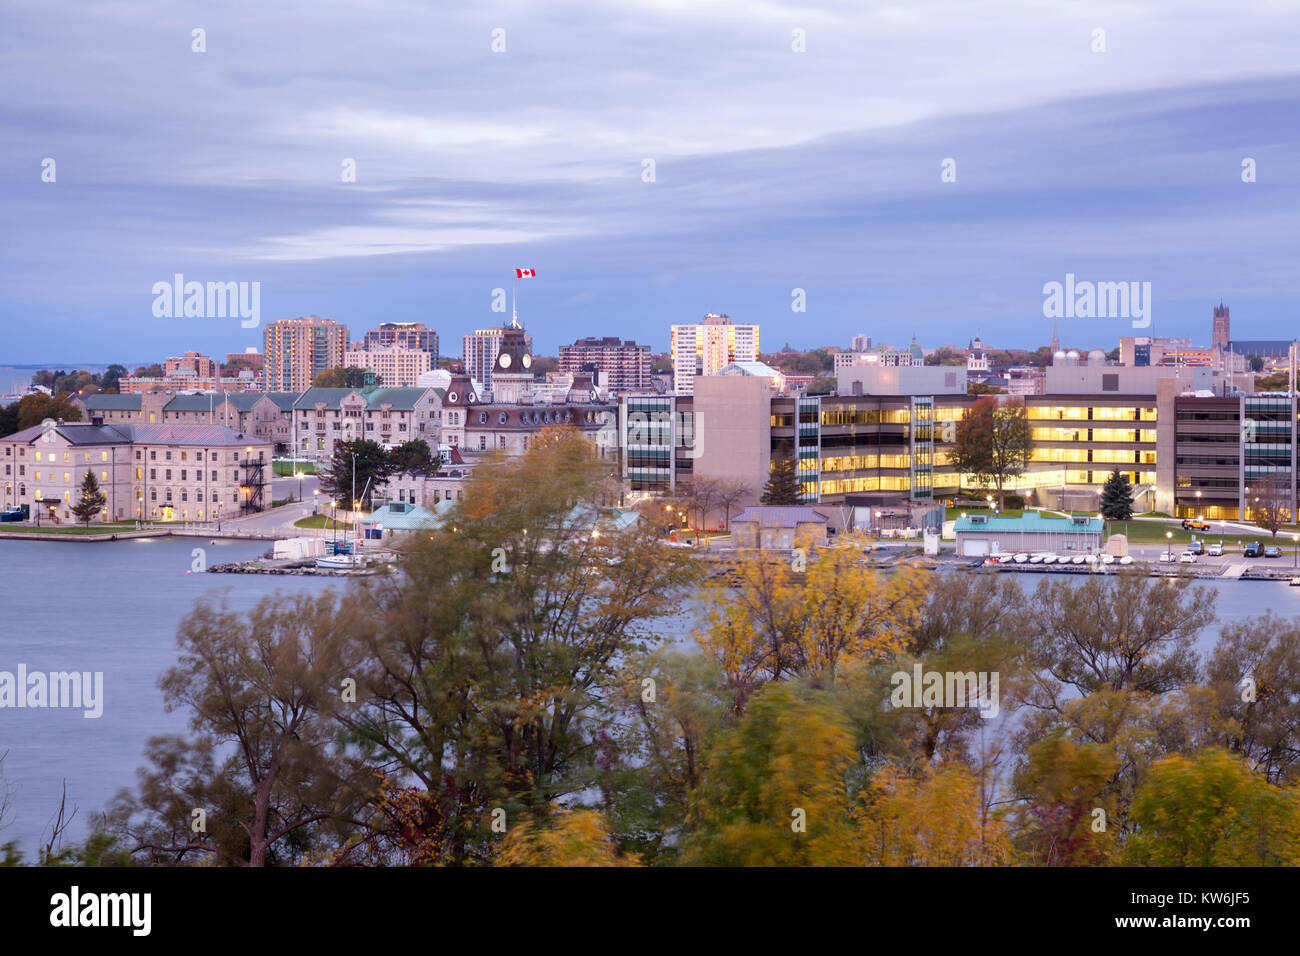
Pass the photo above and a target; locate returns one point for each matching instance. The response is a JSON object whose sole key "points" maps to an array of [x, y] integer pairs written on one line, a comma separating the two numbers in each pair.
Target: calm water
{"points": [[111, 607], [115, 607]]}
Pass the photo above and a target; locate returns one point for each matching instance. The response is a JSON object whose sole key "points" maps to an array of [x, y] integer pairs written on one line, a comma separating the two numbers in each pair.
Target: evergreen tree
{"points": [[1117, 498], [782, 487], [91, 501]]}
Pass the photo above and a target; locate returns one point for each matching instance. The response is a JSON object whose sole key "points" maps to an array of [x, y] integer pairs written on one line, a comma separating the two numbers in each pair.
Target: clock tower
{"points": [[512, 372]]}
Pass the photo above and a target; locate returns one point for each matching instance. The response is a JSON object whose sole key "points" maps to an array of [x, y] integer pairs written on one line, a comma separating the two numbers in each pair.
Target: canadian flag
{"points": [[525, 273]]}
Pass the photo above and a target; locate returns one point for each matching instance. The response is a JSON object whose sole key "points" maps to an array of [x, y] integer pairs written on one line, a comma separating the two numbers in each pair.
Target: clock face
{"points": [[527, 360], [505, 359]]}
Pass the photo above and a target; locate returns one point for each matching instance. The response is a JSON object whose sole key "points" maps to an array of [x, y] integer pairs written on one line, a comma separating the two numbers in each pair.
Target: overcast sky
{"points": [[774, 170]]}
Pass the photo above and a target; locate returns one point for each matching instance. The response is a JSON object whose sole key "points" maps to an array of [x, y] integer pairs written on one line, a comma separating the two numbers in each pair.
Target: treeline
{"points": [[513, 698]]}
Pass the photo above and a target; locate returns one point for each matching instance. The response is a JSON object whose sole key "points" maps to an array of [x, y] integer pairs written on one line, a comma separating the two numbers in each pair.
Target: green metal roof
{"points": [[1032, 521]]}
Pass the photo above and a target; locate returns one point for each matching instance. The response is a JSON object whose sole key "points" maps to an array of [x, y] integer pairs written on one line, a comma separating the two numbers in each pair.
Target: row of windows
{"points": [[1094, 434], [1090, 413]]}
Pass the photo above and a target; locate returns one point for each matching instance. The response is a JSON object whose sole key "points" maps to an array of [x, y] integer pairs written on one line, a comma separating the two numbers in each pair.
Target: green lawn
{"points": [[1152, 532], [320, 521], [286, 468], [953, 513]]}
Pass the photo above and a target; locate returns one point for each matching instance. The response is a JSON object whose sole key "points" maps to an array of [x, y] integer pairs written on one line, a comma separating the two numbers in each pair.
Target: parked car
{"points": [[1272, 551], [1254, 550], [1195, 524], [1187, 557], [1168, 556], [1196, 547], [11, 514], [1216, 550]]}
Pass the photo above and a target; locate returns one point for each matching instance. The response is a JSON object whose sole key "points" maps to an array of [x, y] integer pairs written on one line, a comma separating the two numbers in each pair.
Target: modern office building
{"points": [[625, 365], [296, 350], [709, 346]]}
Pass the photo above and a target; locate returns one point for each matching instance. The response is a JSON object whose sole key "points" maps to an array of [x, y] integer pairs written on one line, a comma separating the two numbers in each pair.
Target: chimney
{"points": [[97, 419]]}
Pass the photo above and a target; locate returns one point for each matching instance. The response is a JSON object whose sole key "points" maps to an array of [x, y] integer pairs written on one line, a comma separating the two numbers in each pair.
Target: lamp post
{"points": [[1198, 504], [1295, 550], [1169, 544]]}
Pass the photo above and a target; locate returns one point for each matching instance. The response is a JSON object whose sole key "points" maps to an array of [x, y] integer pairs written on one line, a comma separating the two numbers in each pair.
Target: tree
{"points": [[1117, 498], [91, 500], [1119, 632], [149, 371], [1209, 809], [936, 819], [773, 622], [112, 375], [729, 494], [983, 388], [700, 494], [1255, 674], [992, 442], [571, 838], [261, 767], [494, 694], [374, 467], [413, 455], [34, 409], [1273, 504], [349, 377], [782, 486], [1277, 382], [1063, 783], [775, 792], [822, 385]]}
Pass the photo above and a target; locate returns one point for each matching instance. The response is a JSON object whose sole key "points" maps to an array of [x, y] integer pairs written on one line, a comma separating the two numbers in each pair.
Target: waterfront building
{"points": [[165, 472]]}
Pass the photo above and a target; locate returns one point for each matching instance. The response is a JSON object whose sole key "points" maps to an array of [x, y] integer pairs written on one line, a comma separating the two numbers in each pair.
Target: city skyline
{"points": [[1116, 166]]}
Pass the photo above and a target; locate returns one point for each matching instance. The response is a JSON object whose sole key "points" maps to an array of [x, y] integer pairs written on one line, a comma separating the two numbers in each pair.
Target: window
{"points": [[153, 455], [103, 476], [38, 476], [169, 474], [153, 494], [38, 456], [184, 474], [214, 474], [482, 446], [168, 454], [153, 474], [67, 477], [103, 456]]}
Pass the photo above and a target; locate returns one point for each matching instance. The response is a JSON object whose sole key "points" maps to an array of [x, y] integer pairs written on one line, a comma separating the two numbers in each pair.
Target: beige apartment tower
{"points": [[297, 349], [708, 347]]}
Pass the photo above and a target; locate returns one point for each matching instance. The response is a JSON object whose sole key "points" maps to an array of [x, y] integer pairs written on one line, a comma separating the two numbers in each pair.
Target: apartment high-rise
{"points": [[200, 365], [396, 365], [708, 347], [480, 349], [408, 335], [297, 349], [1220, 336], [626, 365]]}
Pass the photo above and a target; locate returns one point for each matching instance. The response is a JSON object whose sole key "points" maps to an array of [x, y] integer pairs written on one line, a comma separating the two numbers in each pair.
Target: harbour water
{"points": [[115, 607]]}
